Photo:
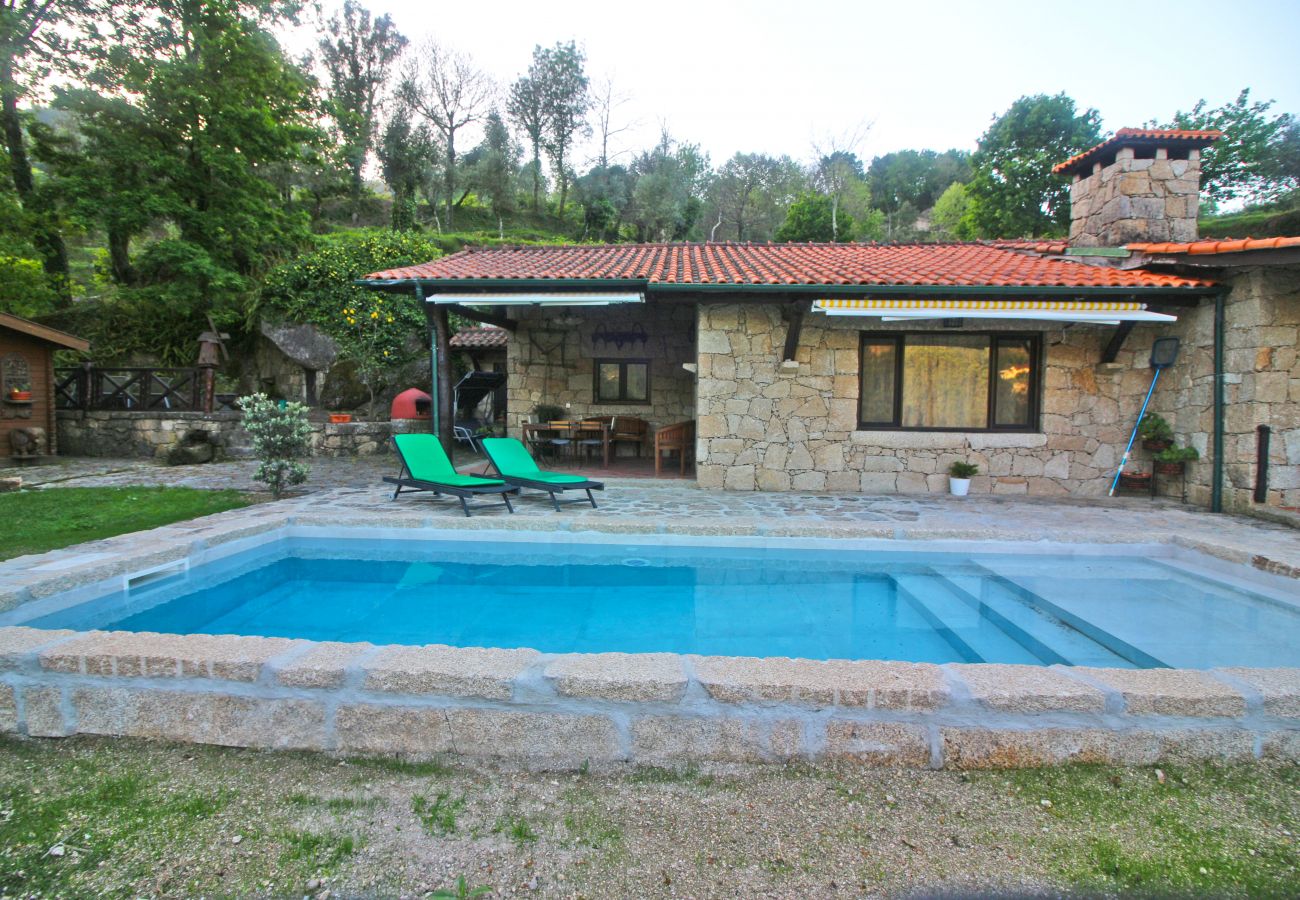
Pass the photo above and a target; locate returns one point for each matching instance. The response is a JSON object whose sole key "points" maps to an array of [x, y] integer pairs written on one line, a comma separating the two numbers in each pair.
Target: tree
{"points": [[526, 107], [444, 87], [35, 40], [358, 54], [605, 194], [564, 106], [810, 218], [905, 183], [405, 155], [837, 167], [750, 194], [605, 100], [497, 168], [667, 194], [1249, 161], [1013, 192], [948, 215]]}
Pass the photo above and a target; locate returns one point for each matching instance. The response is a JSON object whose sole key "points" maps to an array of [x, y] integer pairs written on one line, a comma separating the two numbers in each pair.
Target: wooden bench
{"points": [[679, 438]]}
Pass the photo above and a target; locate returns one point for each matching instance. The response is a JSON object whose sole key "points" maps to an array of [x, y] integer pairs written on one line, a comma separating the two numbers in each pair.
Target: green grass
{"points": [[439, 816], [1111, 830], [395, 766], [60, 517], [516, 828]]}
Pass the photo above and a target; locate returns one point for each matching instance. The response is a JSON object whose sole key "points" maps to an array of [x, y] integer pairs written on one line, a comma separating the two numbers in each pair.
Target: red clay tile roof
{"points": [[478, 338], [1214, 245], [1126, 136], [930, 265]]}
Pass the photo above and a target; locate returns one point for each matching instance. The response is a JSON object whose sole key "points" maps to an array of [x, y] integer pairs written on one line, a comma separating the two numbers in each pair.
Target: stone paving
{"points": [[350, 491]]}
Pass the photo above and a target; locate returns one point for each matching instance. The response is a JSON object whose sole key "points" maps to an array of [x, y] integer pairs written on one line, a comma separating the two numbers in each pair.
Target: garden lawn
{"points": [[97, 817], [58, 517]]}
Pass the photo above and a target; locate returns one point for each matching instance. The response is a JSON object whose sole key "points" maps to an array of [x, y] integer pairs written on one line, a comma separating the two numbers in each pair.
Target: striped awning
{"points": [[1098, 312]]}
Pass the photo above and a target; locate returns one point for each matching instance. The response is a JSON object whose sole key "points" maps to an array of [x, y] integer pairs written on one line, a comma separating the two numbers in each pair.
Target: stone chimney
{"points": [[1141, 185]]}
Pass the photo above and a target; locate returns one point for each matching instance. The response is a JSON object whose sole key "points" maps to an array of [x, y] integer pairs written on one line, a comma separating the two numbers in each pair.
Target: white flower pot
{"points": [[960, 487]]}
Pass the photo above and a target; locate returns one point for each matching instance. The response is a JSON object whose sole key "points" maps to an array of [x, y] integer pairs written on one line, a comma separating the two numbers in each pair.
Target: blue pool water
{"points": [[927, 607]]}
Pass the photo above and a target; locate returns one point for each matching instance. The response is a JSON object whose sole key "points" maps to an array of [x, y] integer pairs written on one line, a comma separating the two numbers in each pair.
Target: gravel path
{"points": [[135, 818]]}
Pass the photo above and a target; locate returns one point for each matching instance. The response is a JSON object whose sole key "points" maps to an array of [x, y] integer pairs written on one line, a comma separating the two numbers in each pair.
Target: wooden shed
{"points": [[27, 425]]}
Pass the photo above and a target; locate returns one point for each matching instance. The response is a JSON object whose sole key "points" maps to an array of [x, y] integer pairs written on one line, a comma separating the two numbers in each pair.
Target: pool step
{"points": [[1029, 622], [973, 637]]}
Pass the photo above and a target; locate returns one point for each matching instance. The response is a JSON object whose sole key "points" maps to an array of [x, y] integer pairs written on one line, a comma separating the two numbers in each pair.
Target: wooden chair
{"points": [[628, 430], [679, 438]]}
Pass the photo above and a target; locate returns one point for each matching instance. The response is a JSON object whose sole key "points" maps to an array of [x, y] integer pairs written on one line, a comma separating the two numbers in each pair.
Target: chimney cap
{"points": [[1138, 137]]}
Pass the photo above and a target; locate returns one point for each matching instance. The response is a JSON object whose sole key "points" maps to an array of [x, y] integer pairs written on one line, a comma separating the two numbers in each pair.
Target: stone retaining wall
{"points": [[608, 709], [122, 434]]}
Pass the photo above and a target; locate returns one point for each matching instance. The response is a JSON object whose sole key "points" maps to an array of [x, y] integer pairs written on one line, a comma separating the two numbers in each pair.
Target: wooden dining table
{"points": [[575, 430]]}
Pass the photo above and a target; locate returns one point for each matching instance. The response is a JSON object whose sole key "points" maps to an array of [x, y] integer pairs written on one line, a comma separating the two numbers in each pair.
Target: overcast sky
{"points": [[776, 76]]}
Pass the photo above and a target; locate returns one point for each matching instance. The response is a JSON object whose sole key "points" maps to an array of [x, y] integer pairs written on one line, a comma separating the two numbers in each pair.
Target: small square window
{"points": [[622, 381]]}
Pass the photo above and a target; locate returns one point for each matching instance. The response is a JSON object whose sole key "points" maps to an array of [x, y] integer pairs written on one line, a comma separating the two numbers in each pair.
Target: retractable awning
{"points": [[529, 298], [1096, 312]]}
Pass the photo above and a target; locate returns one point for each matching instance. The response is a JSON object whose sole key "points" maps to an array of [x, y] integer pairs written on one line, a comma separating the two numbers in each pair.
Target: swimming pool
{"points": [[1118, 609]]}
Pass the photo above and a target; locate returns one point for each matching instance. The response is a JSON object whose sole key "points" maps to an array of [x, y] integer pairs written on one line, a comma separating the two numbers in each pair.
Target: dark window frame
{"points": [[1035, 341], [622, 381]]}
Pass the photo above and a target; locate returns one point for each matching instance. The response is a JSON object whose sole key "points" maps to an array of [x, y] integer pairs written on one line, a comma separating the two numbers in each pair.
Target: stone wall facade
{"points": [[552, 363], [1261, 387], [1136, 200], [130, 435], [764, 428], [574, 710]]}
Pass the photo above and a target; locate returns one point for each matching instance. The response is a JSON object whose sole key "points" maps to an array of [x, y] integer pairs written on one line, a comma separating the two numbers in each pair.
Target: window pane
{"points": [[946, 381], [637, 381], [1013, 380], [877, 403], [607, 383]]}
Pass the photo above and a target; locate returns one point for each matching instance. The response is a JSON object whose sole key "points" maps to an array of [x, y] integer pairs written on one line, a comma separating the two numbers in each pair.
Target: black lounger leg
{"points": [[591, 498], [555, 501], [505, 495], [464, 506]]}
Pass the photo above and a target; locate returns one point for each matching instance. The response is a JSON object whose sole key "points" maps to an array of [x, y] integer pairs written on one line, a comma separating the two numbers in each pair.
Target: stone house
{"points": [[873, 367]]}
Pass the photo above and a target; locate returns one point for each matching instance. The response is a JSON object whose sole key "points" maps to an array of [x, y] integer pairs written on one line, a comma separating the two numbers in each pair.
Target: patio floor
{"points": [[350, 491]]}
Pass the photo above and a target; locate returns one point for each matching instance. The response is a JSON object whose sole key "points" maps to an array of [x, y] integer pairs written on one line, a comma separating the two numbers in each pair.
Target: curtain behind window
{"points": [[946, 381]]}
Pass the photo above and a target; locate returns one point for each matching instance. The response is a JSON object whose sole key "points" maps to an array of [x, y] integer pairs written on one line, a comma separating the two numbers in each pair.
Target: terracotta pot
{"points": [[340, 418], [1135, 481], [21, 396], [1156, 444], [1169, 468]]}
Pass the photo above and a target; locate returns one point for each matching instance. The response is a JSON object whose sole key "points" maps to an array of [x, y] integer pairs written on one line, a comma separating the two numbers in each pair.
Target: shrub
{"points": [[963, 470], [281, 435], [1154, 428], [1177, 455]]}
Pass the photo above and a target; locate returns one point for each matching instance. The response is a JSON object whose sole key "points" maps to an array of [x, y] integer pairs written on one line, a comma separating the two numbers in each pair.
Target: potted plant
{"points": [[20, 393], [1173, 460], [1155, 432], [1135, 482], [959, 476], [340, 418], [548, 412]]}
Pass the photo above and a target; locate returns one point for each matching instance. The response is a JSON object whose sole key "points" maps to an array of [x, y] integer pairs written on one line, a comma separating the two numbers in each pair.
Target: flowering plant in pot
{"points": [[959, 476], [1173, 460], [1155, 432], [20, 392]]}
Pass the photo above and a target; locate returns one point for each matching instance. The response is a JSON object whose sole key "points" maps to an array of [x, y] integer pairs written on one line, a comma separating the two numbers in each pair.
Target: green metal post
{"points": [[1216, 482]]}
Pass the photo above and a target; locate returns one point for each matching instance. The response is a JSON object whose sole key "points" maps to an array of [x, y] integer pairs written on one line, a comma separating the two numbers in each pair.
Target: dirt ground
{"points": [[112, 817]]}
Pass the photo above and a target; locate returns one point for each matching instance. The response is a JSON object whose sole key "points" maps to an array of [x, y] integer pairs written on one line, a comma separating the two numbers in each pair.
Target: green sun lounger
{"points": [[511, 460], [425, 467]]}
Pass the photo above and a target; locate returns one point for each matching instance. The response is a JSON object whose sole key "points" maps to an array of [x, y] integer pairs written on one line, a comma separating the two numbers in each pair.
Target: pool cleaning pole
{"points": [[1132, 437], [1164, 351]]}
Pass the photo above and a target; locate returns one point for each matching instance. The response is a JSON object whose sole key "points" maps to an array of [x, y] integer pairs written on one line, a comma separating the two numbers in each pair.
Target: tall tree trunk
{"points": [[537, 174], [564, 180], [46, 236], [355, 193], [119, 255], [451, 174]]}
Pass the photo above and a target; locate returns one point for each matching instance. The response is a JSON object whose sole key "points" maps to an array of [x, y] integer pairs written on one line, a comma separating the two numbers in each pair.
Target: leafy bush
{"points": [[281, 435], [963, 470], [1154, 428], [1177, 455]]}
